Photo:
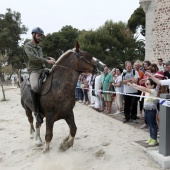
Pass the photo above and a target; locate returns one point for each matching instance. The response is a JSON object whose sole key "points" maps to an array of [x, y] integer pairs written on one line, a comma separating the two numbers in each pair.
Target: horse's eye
{"points": [[81, 57]]}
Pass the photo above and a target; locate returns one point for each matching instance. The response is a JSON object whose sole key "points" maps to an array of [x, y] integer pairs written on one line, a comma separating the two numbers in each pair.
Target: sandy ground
{"points": [[101, 143]]}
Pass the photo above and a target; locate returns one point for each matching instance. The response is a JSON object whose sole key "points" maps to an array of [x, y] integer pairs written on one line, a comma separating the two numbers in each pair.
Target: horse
{"points": [[57, 98]]}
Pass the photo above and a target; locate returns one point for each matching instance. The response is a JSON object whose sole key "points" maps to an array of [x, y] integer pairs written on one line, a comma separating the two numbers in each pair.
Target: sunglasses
{"points": [[147, 84]]}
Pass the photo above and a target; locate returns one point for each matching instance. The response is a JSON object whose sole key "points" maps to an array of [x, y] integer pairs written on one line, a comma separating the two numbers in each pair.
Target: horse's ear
{"points": [[77, 46]]}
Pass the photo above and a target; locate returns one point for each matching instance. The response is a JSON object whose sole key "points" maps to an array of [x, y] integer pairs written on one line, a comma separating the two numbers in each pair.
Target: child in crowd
{"points": [[150, 108]]}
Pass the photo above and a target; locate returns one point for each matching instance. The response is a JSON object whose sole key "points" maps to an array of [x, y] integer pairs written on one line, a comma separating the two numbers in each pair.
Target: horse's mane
{"points": [[61, 58]]}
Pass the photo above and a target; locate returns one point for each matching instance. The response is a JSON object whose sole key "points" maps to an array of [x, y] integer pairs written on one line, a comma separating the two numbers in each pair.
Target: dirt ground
{"points": [[102, 141]]}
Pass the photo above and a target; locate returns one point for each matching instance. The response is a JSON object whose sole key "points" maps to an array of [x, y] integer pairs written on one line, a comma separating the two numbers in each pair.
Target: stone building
{"points": [[157, 36]]}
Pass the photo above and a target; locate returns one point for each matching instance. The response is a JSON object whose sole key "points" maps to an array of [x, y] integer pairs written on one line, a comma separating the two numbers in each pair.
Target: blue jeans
{"points": [[150, 116], [86, 95]]}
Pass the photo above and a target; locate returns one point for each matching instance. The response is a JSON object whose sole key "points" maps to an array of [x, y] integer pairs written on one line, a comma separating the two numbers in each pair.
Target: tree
{"points": [[57, 43], [3, 61], [113, 43], [137, 20], [11, 29]]}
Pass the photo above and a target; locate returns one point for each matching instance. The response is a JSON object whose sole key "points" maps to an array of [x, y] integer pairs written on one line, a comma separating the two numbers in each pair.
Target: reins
{"points": [[58, 65]]}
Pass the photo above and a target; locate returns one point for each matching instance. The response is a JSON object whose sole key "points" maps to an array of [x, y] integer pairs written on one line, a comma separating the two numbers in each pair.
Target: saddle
{"points": [[41, 81]]}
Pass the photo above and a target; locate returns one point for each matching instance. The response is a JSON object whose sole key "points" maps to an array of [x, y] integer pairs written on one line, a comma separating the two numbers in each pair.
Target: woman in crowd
{"points": [[150, 108], [118, 86]]}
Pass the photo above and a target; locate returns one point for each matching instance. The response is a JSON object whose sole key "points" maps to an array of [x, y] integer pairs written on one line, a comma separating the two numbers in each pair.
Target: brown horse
{"points": [[57, 98]]}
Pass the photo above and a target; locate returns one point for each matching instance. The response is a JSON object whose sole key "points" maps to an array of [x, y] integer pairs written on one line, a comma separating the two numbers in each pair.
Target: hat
{"points": [[159, 74], [167, 63]]}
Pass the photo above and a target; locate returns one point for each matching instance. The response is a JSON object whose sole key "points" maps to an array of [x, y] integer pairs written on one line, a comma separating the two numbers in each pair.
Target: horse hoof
{"points": [[31, 136], [45, 150], [38, 143]]}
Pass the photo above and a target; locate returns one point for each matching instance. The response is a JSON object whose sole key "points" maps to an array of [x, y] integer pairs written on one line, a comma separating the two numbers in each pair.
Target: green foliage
{"points": [[113, 43], [137, 20], [11, 29], [57, 43]]}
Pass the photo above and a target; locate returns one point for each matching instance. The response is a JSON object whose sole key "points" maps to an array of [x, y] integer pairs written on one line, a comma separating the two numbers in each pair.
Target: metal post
{"points": [[164, 140]]}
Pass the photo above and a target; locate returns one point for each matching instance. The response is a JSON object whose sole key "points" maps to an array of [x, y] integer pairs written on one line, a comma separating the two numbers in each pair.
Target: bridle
{"points": [[82, 57]]}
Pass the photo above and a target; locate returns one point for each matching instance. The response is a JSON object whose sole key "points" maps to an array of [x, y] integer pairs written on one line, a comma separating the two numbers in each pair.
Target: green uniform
{"points": [[35, 60]]}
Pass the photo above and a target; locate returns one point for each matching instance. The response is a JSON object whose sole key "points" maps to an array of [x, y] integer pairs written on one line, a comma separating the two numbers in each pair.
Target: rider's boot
{"points": [[36, 106]]}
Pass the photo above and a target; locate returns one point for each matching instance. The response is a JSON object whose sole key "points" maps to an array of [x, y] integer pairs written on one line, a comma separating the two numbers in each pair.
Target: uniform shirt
{"points": [[150, 103], [34, 55]]}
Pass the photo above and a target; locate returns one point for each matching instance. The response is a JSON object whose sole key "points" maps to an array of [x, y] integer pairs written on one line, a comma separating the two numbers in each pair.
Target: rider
{"points": [[35, 66]]}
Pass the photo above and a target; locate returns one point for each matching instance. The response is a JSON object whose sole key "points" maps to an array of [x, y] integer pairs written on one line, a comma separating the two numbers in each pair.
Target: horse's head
{"points": [[86, 62], [80, 61]]}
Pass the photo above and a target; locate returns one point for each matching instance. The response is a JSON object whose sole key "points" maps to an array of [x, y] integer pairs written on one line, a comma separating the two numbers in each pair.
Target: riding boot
{"points": [[35, 101]]}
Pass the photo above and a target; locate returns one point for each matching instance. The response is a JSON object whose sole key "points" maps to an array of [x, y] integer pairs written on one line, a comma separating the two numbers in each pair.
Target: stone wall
{"points": [[157, 30]]}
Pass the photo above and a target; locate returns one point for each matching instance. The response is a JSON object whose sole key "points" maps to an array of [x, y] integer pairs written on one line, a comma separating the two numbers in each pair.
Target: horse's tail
{"points": [[20, 78]]}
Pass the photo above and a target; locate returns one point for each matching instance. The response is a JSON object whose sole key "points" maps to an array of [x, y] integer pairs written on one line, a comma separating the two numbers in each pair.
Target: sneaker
{"points": [[133, 121], [144, 126], [153, 142], [98, 110], [125, 121], [149, 140], [117, 113]]}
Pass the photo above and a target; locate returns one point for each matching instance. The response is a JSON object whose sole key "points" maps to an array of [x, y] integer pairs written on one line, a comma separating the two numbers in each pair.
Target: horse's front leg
{"points": [[69, 140], [38, 141], [30, 119], [49, 133]]}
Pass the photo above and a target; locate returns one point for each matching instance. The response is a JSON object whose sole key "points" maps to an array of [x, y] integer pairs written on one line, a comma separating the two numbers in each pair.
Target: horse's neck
{"points": [[66, 76]]}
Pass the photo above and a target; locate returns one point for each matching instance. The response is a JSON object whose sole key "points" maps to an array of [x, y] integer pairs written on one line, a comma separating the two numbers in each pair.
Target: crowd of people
{"points": [[135, 85]]}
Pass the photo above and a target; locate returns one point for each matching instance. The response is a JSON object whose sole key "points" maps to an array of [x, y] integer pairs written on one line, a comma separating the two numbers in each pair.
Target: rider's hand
{"points": [[50, 58], [51, 61]]}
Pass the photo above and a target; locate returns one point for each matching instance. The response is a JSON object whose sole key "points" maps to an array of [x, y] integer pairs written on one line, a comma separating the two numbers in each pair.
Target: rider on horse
{"points": [[35, 66]]}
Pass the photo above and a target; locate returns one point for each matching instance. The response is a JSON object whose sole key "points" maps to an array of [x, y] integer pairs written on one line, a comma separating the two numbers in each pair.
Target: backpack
{"points": [[126, 72]]}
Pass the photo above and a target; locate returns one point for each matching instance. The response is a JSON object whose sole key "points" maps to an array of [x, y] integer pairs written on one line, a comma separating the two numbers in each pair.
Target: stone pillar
{"points": [[164, 139], [145, 4]]}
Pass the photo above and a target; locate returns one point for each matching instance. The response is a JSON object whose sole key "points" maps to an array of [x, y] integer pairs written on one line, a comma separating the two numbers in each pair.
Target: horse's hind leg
{"points": [[69, 140], [38, 141], [30, 119]]}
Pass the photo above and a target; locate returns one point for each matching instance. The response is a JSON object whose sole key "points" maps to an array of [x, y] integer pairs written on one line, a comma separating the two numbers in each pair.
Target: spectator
{"points": [[118, 86], [79, 91], [97, 80], [130, 105], [145, 65], [167, 72], [106, 84], [85, 90], [90, 79], [136, 67], [161, 90], [150, 106], [160, 64]]}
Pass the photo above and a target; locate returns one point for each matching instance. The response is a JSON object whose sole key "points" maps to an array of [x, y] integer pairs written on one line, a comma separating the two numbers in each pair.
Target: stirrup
{"points": [[38, 117]]}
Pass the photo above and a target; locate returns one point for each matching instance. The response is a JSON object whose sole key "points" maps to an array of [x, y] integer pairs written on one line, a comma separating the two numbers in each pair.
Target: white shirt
{"points": [[129, 75], [118, 80], [165, 83], [150, 103], [97, 85]]}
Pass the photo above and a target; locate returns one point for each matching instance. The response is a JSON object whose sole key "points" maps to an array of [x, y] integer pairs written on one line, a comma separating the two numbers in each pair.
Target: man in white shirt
{"points": [[160, 64], [130, 105]]}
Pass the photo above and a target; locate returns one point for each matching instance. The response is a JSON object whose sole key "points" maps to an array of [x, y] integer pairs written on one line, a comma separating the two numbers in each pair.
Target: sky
{"points": [[52, 15]]}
